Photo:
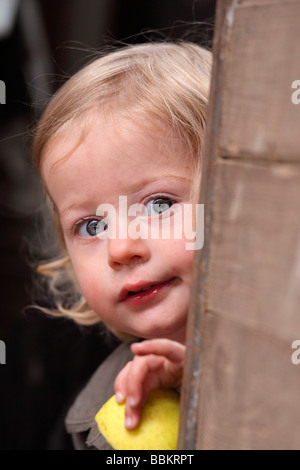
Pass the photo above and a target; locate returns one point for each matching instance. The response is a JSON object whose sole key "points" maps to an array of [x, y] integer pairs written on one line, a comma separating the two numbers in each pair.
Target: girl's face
{"points": [[137, 282]]}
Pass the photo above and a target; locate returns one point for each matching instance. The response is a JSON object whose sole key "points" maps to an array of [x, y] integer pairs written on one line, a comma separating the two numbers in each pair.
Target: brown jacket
{"points": [[80, 420]]}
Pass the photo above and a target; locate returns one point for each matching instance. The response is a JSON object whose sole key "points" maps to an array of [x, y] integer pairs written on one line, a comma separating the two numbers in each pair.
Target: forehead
{"points": [[113, 142]]}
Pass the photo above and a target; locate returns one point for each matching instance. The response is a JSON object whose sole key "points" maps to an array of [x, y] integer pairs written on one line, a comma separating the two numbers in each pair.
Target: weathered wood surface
{"points": [[241, 389], [257, 114]]}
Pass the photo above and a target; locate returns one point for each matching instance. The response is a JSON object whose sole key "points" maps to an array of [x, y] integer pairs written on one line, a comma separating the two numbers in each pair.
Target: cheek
{"points": [[88, 274], [95, 292], [178, 257]]}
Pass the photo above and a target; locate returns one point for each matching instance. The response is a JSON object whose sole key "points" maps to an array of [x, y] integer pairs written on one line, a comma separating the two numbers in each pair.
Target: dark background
{"points": [[49, 360]]}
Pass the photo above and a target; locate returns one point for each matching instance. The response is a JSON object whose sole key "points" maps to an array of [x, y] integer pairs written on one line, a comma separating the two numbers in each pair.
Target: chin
{"points": [[177, 334]]}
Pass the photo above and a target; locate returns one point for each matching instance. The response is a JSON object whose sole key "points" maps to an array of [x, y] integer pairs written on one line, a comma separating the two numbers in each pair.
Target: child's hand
{"points": [[158, 363]]}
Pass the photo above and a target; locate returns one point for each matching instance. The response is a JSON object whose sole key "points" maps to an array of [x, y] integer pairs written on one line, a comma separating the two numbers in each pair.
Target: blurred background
{"points": [[42, 43]]}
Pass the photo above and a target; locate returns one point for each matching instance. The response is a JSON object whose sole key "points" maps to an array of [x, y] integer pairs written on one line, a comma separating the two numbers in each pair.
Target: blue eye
{"points": [[159, 205], [91, 228]]}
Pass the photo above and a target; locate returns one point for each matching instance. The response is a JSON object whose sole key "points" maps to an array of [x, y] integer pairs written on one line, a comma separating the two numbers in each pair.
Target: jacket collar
{"points": [[81, 416]]}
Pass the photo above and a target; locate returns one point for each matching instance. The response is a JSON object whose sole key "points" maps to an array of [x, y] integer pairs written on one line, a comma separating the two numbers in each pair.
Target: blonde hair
{"points": [[164, 82]]}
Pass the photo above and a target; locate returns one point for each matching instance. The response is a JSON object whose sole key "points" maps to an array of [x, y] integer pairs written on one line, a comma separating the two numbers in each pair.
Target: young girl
{"points": [[127, 127]]}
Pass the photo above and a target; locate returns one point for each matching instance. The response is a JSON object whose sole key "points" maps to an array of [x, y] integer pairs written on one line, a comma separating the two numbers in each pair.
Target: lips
{"points": [[141, 289]]}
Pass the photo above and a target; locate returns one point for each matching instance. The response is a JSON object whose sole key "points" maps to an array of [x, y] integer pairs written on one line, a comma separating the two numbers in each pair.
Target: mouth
{"points": [[135, 294]]}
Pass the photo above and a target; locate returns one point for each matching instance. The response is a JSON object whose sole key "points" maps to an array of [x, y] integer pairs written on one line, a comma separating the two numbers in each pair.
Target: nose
{"points": [[127, 251]]}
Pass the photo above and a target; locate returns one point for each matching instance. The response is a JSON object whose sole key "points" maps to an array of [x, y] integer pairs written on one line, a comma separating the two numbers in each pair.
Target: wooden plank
{"points": [[263, 2], [190, 397], [254, 269], [250, 389], [257, 113], [240, 387]]}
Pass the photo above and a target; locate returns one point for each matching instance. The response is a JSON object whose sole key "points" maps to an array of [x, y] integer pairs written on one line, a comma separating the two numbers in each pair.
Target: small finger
{"points": [[140, 369], [120, 385], [172, 350], [132, 418], [134, 409]]}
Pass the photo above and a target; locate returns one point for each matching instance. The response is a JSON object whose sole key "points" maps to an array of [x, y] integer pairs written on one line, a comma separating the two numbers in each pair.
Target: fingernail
{"points": [[129, 423], [119, 397], [132, 402]]}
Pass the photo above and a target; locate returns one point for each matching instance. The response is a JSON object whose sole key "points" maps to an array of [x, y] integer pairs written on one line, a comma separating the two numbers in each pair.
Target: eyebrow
{"points": [[135, 188], [138, 186]]}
